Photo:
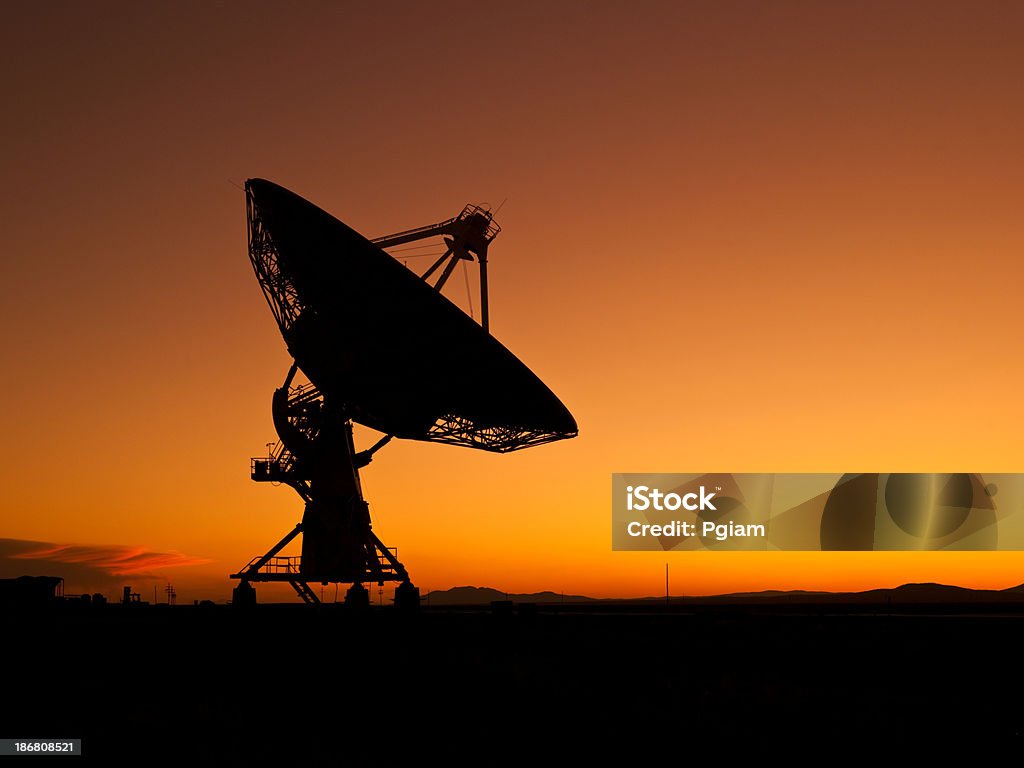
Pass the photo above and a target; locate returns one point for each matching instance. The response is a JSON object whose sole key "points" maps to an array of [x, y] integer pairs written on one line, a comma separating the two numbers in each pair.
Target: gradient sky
{"points": [[738, 237]]}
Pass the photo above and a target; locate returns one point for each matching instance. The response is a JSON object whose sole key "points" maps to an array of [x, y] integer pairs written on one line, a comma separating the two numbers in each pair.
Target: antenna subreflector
{"points": [[383, 348]]}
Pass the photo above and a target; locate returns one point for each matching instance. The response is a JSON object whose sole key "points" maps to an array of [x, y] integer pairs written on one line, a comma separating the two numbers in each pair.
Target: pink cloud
{"points": [[114, 560]]}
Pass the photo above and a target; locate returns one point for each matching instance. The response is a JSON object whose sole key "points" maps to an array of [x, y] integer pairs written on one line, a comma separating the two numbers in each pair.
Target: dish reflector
{"points": [[382, 344]]}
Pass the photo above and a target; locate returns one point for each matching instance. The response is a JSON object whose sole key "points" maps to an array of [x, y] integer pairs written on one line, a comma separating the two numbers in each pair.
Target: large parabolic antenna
{"points": [[382, 347]]}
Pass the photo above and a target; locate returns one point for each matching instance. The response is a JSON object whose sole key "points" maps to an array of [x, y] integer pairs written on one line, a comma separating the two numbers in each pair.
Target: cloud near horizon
{"points": [[87, 562]]}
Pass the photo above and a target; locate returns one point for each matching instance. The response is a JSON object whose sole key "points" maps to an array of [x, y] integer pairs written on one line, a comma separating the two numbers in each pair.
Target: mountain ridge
{"points": [[926, 592]]}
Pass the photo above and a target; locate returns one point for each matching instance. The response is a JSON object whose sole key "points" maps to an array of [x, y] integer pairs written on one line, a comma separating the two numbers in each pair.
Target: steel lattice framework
{"points": [[455, 430], [277, 286]]}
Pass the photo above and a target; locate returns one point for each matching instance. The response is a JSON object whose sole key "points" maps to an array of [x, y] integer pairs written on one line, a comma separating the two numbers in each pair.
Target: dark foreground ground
{"points": [[293, 685]]}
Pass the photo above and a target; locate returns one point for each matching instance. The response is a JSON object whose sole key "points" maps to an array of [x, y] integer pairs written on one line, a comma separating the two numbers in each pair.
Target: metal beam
{"points": [[270, 553]]}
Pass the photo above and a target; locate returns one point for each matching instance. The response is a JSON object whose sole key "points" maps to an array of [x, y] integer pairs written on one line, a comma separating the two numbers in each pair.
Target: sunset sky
{"points": [[738, 237]]}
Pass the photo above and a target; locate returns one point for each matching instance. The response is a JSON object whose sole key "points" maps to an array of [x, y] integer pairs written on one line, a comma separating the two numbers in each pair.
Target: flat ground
{"points": [[213, 686]]}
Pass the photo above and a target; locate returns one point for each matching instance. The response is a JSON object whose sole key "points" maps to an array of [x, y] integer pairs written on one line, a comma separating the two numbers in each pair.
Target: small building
{"points": [[31, 591]]}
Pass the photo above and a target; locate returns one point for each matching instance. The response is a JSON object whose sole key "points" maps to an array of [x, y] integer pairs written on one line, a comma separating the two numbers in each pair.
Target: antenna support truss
{"points": [[466, 236]]}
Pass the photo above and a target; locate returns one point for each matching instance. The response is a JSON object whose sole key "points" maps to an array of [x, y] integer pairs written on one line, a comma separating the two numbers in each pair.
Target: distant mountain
{"points": [[486, 596], [930, 591], [766, 593], [903, 594]]}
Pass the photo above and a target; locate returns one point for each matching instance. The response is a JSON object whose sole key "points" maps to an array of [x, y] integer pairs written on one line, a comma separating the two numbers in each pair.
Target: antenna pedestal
{"points": [[316, 456]]}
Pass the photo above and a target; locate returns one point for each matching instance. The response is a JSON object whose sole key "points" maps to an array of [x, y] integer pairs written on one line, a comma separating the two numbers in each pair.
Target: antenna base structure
{"points": [[315, 455]]}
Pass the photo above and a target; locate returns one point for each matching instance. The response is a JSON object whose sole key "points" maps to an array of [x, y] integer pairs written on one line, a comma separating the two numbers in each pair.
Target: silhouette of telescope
{"points": [[381, 347], [371, 334]]}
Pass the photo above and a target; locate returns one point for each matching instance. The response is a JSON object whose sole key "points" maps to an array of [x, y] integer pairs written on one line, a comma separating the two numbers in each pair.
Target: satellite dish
{"points": [[402, 358], [383, 348]]}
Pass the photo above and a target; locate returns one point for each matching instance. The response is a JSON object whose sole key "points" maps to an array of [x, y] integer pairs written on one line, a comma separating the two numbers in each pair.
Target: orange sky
{"points": [[739, 237]]}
